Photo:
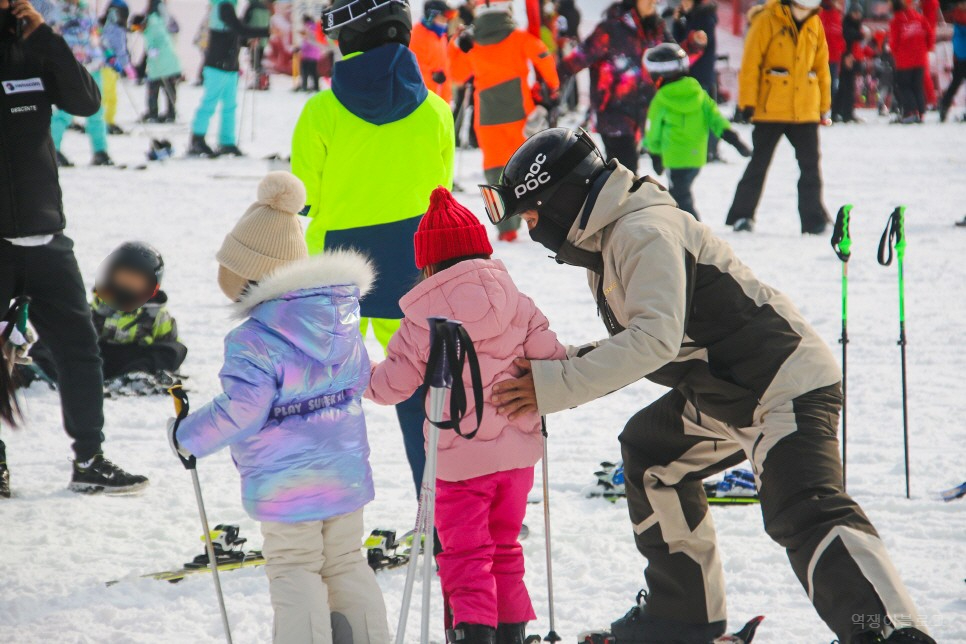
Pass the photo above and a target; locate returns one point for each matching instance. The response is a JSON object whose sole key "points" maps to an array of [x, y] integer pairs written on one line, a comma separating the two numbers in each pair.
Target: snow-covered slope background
{"points": [[59, 549]]}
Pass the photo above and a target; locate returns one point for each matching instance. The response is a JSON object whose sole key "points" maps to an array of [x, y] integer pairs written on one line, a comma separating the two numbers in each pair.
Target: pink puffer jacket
{"points": [[505, 324]]}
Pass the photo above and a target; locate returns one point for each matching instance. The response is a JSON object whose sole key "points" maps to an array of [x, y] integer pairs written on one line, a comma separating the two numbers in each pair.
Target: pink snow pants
{"points": [[481, 566]]}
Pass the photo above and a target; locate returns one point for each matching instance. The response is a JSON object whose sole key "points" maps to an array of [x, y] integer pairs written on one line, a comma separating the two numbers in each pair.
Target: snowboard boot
{"points": [[465, 633], [101, 475], [102, 158], [901, 636], [113, 128], [229, 151], [4, 481], [199, 148], [816, 229], [636, 627], [62, 161], [744, 226]]}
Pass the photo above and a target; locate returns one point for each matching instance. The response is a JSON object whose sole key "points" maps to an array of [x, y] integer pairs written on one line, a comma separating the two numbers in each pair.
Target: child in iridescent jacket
{"points": [[291, 414]]}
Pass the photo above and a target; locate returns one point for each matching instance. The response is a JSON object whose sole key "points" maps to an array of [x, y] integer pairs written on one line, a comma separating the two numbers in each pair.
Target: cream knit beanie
{"points": [[267, 236]]}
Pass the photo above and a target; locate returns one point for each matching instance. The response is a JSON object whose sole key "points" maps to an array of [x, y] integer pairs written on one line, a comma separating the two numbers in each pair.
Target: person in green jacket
{"points": [[370, 150], [163, 67], [678, 122]]}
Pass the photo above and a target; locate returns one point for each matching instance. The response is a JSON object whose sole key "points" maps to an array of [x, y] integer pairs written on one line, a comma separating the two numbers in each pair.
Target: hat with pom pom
{"points": [[267, 236], [448, 230]]}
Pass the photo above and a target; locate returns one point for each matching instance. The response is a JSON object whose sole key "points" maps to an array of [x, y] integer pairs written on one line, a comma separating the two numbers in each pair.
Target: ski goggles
{"points": [[504, 201], [336, 19]]}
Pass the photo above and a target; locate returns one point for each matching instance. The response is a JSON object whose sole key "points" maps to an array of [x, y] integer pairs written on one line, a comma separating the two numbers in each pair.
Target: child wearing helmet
{"points": [[678, 123], [137, 335]]}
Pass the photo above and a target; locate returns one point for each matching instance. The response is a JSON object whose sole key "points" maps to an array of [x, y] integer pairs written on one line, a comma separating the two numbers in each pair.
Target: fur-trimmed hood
{"points": [[312, 304], [332, 268]]}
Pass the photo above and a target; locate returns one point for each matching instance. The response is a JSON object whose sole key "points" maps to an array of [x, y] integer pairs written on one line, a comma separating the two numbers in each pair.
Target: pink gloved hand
{"points": [[130, 73]]}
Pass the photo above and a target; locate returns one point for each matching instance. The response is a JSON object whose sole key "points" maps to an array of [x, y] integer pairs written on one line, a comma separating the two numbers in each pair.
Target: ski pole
{"points": [[842, 245], [552, 635], [439, 380], [181, 410], [894, 236]]}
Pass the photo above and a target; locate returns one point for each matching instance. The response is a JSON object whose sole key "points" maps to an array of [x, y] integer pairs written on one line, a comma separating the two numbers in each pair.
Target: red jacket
{"points": [[910, 38], [832, 23]]}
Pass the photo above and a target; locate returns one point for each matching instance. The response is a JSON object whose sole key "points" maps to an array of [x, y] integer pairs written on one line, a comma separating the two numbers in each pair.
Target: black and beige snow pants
{"points": [[669, 447]]}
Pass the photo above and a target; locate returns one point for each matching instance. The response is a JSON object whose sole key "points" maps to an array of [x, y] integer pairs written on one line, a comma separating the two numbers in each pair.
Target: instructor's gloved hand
{"points": [[731, 137], [439, 77], [176, 447], [658, 163]]}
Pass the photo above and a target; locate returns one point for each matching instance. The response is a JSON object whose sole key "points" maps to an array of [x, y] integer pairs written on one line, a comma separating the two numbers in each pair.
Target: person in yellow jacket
{"points": [[785, 89], [370, 151]]}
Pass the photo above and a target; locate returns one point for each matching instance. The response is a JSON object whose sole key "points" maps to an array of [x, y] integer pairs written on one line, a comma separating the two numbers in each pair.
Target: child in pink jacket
{"points": [[482, 484]]}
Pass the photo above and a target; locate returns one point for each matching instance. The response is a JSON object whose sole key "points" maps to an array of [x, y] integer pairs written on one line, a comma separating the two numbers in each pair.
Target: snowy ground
{"points": [[59, 549]]}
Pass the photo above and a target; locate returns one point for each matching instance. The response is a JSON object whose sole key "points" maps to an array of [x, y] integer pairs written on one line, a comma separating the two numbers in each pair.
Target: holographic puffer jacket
{"points": [[293, 379], [76, 23]]}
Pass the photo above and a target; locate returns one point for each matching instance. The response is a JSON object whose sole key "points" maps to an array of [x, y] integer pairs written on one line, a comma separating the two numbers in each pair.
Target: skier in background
{"points": [[370, 150], [36, 257], [291, 413], [830, 14], [163, 69], [930, 11], [749, 378], [680, 119], [620, 88], [430, 44], [482, 484], [784, 88], [137, 335], [225, 35], [114, 38], [78, 27], [258, 15], [957, 16], [310, 52], [498, 56], [910, 39], [691, 19]]}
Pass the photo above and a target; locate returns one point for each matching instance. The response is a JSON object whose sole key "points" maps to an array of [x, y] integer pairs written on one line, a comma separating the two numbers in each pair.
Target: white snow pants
{"points": [[322, 589]]}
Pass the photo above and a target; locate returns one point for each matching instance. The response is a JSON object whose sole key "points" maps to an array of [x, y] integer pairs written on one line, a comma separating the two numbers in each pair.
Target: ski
{"points": [[743, 636], [736, 487], [385, 552], [954, 493]]}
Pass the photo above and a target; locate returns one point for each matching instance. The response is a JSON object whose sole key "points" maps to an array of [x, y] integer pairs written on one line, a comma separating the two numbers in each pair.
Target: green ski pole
{"points": [[894, 236], [842, 245]]}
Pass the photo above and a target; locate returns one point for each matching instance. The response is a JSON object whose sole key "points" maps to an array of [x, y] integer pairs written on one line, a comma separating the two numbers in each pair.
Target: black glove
{"points": [[658, 163], [731, 137], [744, 114], [465, 41], [439, 77]]}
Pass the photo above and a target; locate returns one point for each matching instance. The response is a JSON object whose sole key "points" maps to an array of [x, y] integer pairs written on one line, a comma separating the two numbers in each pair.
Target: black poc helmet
{"points": [[361, 25], [552, 173], [134, 256], [666, 62]]}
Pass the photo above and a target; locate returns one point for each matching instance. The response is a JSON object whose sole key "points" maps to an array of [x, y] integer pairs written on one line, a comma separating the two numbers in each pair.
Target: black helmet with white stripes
{"points": [[666, 62]]}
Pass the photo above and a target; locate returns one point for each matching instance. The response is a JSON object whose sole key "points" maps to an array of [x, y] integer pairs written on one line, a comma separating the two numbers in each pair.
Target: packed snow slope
{"points": [[60, 548]]}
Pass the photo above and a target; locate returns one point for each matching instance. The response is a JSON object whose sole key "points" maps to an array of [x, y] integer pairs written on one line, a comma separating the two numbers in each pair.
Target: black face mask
{"points": [[549, 233]]}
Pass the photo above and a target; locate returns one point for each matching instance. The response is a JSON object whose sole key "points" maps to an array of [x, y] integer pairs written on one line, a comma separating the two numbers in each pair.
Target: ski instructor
{"points": [[749, 379]]}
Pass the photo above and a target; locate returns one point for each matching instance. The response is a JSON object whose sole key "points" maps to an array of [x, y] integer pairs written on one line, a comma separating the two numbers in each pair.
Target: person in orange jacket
{"points": [[430, 44], [498, 56]]}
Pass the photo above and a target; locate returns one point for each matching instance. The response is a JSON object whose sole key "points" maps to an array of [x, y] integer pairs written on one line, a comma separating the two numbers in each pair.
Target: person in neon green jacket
{"points": [[370, 150], [679, 120]]}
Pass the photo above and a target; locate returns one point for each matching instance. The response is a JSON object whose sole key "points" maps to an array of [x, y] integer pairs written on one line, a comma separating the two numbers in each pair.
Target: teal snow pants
{"points": [[96, 126], [220, 87]]}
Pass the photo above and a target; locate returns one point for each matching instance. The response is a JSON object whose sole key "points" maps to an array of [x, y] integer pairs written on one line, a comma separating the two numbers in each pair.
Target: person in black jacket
{"points": [[690, 18], [225, 36], [37, 72]]}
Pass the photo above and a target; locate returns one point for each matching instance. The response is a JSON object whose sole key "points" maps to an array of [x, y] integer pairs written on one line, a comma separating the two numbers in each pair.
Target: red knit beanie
{"points": [[448, 230]]}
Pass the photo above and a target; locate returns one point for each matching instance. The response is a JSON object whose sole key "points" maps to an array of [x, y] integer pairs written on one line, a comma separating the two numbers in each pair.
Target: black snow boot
{"points": [[4, 481], [101, 475], [471, 634], [199, 148], [113, 128], [102, 158], [229, 151], [901, 636], [636, 627], [62, 161], [511, 633]]}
